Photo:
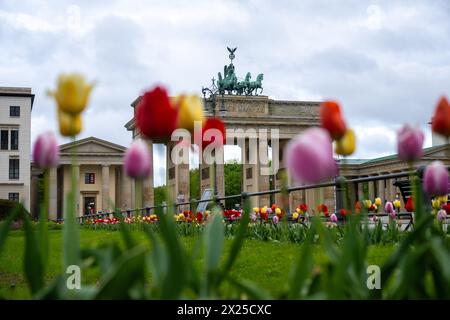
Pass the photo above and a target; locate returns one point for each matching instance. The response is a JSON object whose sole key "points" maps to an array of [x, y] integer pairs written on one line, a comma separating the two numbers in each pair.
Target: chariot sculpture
{"points": [[229, 83]]}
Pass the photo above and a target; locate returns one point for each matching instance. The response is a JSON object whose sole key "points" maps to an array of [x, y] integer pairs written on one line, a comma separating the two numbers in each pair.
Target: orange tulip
{"points": [[441, 119], [331, 119]]}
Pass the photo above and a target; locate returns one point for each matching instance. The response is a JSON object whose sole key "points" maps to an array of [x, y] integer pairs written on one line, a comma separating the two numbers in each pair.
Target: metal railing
{"points": [[339, 183]]}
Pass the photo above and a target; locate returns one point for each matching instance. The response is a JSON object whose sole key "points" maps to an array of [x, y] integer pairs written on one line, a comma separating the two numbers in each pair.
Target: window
{"points": [[14, 169], [205, 173], [14, 111], [13, 196], [4, 140], [172, 173], [248, 173], [14, 139], [89, 178]]}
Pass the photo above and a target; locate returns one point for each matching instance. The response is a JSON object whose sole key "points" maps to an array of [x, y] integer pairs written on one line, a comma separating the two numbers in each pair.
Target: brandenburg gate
{"points": [[253, 121]]}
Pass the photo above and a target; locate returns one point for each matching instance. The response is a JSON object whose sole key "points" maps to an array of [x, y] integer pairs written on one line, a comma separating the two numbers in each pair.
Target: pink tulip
{"points": [[309, 157], [409, 143], [275, 219], [269, 210], [138, 163], [45, 151], [435, 179], [253, 217], [393, 214], [441, 215], [389, 207], [333, 218]]}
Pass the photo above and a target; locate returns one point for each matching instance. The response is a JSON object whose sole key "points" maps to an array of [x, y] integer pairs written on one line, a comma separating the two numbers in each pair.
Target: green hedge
{"points": [[6, 207]]}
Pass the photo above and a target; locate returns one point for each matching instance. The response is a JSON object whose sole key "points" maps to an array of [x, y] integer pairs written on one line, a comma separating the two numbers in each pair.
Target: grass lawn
{"points": [[267, 264]]}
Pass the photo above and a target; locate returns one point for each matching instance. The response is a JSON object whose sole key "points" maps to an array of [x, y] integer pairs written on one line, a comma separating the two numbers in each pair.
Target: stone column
{"points": [[105, 188], [372, 194], [147, 188], [78, 207], [53, 194], [126, 200], [277, 177], [361, 192], [177, 176], [381, 191], [249, 169]]}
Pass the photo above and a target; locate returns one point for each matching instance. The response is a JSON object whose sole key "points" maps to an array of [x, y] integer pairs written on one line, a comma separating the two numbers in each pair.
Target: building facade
{"points": [[102, 184], [16, 104], [246, 113]]}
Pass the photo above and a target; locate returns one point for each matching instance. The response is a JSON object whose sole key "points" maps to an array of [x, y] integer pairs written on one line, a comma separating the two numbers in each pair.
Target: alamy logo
{"points": [[253, 142], [73, 281], [374, 277]]}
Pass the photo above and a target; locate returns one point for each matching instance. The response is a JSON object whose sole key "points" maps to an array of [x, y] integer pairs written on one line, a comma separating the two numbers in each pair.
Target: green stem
{"points": [[71, 231], [138, 195], [416, 193], [43, 221]]}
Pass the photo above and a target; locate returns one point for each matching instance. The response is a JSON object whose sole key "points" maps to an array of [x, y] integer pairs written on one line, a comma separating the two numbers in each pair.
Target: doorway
{"points": [[89, 205]]}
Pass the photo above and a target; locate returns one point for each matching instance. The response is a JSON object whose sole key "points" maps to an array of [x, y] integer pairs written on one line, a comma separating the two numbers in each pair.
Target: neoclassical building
{"points": [[103, 186], [16, 104]]}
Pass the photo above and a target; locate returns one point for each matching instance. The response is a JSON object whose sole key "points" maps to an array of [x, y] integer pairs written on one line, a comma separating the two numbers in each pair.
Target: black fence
{"points": [[340, 185]]}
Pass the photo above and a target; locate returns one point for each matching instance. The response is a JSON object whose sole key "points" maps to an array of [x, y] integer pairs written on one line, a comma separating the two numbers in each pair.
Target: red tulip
{"points": [[446, 207], [331, 119], [358, 207], [441, 118], [323, 208], [210, 136], [199, 217], [155, 117], [409, 206], [303, 207]]}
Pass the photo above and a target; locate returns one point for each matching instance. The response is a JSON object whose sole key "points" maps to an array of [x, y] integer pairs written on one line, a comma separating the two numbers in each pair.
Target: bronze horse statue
{"points": [[255, 85]]}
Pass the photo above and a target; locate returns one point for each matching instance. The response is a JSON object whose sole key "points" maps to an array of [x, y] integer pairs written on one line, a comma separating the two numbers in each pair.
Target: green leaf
{"points": [[239, 238], [302, 269], [175, 278], [5, 226], [43, 223], [214, 238], [32, 261], [71, 228], [123, 274], [249, 288]]}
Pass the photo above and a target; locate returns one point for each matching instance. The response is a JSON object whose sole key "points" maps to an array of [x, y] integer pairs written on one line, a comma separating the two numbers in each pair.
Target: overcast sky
{"points": [[387, 62]]}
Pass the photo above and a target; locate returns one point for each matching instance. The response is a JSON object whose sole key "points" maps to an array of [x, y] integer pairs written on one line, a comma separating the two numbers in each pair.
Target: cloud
{"points": [[386, 62]]}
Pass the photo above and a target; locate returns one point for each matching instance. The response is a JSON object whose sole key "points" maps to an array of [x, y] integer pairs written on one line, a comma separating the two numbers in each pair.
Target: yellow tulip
{"points": [[255, 209], [277, 211], [298, 210], [443, 199], [396, 203], [264, 209], [367, 203], [190, 110], [436, 203], [347, 144], [69, 125], [72, 93], [295, 216], [378, 202]]}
